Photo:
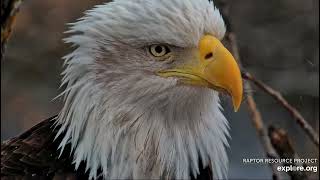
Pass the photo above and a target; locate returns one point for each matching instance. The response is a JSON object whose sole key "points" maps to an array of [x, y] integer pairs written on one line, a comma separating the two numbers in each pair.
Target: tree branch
{"points": [[283, 145], [293, 111], [9, 9], [252, 107]]}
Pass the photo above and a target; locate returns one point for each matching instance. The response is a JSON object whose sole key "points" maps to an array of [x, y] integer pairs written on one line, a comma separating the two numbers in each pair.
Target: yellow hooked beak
{"points": [[214, 68]]}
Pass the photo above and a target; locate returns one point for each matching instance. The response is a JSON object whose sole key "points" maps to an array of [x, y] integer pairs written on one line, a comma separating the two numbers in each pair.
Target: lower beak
{"points": [[214, 68]]}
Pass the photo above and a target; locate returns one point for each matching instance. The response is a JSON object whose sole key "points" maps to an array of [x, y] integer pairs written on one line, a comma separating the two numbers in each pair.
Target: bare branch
{"points": [[9, 9], [293, 111], [283, 145], [252, 107]]}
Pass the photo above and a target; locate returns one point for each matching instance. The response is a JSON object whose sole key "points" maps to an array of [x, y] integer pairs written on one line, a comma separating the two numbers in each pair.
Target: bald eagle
{"points": [[140, 100]]}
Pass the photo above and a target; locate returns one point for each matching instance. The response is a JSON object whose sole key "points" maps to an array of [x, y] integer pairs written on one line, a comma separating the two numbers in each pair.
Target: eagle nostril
{"points": [[208, 56]]}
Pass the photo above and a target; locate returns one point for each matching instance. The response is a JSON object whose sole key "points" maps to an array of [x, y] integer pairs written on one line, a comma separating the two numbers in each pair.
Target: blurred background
{"points": [[278, 41]]}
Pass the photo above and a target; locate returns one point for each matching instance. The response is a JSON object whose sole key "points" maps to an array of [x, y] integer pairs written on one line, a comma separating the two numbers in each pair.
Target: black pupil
{"points": [[158, 49]]}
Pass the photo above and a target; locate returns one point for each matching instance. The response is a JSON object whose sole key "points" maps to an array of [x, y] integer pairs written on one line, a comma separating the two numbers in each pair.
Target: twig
{"points": [[252, 107], [282, 144], [9, 9], [293, 111], [258, 124]]}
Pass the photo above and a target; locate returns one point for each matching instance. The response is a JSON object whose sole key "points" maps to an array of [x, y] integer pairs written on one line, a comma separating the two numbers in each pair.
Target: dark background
{"points": [[278, 41]]}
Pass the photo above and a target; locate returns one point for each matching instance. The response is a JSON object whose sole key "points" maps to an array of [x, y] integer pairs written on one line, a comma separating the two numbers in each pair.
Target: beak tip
{"points": [[236, 108], [236, 104], [237, 94]]}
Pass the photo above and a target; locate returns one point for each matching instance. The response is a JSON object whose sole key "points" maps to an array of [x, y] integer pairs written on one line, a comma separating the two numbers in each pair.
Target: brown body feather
{"points": [[34, 154]]}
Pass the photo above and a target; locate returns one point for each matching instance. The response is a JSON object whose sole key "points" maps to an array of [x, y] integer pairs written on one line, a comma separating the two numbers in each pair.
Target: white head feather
{"points": [[118, 114]]}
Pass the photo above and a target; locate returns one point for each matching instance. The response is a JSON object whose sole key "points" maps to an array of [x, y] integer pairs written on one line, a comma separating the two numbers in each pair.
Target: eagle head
{"points": [[142, 84]]}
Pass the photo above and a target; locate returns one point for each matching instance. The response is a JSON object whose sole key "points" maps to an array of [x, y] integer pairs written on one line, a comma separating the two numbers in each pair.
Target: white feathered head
{"points": [[141, 98]]}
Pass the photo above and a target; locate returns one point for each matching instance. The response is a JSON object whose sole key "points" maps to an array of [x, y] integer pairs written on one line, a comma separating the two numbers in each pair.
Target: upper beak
{"points": [[215, 68]]}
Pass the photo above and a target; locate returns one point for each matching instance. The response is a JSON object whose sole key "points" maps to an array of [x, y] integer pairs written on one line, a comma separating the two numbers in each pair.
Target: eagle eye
{"points": [[159, 50]]}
